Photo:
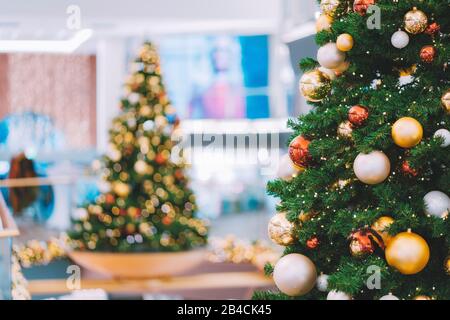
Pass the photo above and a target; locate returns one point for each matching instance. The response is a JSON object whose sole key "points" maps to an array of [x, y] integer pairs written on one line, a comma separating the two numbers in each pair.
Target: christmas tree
{"points": [[366, 214], [148, 206]]}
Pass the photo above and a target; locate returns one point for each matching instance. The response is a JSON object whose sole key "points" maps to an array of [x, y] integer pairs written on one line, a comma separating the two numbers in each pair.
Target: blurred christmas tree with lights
{"points": [[364, 212], [147, 204]]}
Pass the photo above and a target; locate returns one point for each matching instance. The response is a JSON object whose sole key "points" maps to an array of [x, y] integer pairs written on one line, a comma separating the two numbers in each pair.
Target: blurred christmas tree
{"points": [[366, 214], [149, 206]]}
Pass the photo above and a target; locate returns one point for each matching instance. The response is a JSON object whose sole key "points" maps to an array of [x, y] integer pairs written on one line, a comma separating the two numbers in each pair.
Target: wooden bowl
{"points": [[138, 265]]}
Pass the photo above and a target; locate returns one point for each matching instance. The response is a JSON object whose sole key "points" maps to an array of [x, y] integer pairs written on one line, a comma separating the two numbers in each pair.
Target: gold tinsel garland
{"points": [[234, 250]]}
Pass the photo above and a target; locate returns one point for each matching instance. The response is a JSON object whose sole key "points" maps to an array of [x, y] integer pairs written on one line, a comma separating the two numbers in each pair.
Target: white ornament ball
{"points": [[437, 204], [400, 39], [329, 56], [295, 274], [372, 168], [286, 169], [338, 295], [80, 214], [389, 297], [322, 283], [444, 133]]}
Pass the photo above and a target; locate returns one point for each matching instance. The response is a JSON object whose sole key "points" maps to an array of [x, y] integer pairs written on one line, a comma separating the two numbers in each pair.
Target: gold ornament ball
{"points": [[408, 253], [447, 265], [422, 297], [381, 226], [280, 230], [445, 100], [342, 68], [121, 189], [407, 132], [295, 274], [344, 42], [415, 21], [372, 168], [329, 7], [323, 23], [315, 85]]}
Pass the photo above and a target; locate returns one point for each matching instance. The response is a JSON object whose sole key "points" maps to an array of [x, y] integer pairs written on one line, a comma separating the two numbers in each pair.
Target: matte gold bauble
{"points": [[408, 253], [445, 100], [381, 226], [295, 274], [342, 68], [330, 7], [407, 132], [447, 265], [415, 21], [315, 85], [324, 23], [280, 230], [345, 42]]}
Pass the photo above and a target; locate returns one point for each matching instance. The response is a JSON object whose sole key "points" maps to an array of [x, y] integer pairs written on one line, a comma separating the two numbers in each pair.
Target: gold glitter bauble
{"points": [[416, 21], [281, 230], [329, 7], [445, 100], [345, 130], [315, 85]]}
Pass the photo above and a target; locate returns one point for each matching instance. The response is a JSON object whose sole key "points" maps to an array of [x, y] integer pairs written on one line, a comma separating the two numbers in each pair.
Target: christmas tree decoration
{"points": [[427, 54], [361, 6], [280, 230], [342, 68], [329, 72], [322, 283], [329, 56], [150, 207], [381, 225], [445, 100], [407, 170], [330, 7], [389, 297], [344, 42], [444, 134], [372, 168], [415, 21], [315, 85], [286, 169], [437, 204], [407, 132], [364, 242], [400, 39], [357, 115], [408, 253], [323, 23], [298, 151], [447, 265], [295, 275], [121, 189], [432, 29], [312, 242], [345, 130], [422, 297], [338, 295]]}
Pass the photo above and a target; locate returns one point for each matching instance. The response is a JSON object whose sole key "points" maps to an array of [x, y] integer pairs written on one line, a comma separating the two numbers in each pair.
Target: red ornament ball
{"points": [[364, 242], [160, 159], [313, 242], [427, 54], [407, 170], [299, 152], [357, 115], [109, 198], [432, 29], [361, 6]]}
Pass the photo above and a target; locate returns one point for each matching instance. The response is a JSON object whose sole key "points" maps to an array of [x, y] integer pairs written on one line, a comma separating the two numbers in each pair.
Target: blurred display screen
{"points": [[217, 77]]}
